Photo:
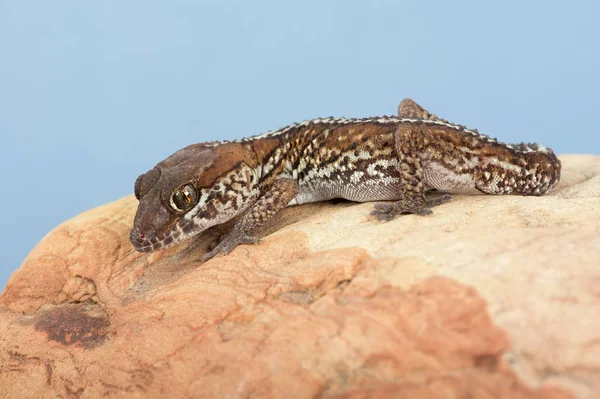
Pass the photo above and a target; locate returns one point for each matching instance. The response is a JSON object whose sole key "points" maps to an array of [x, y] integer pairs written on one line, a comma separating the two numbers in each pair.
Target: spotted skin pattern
{"points": [[371, 159]]}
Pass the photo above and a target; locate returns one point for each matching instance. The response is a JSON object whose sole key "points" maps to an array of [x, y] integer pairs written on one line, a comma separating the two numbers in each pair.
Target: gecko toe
{"points": [[439, 200], [384, 211], [229, 242], [384, 217], [388, 211], [424, 210], [209, 255]]}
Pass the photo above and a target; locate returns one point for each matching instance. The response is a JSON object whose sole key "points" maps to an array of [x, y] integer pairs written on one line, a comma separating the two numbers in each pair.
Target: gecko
{"points": [[396, 159]]}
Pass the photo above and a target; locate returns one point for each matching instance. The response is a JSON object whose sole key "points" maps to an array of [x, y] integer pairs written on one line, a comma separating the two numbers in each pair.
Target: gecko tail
{"points": [[533, 170], [530, 147]]}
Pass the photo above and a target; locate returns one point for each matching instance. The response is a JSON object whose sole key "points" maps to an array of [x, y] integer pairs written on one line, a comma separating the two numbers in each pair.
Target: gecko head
{"points": [[186, 194]]}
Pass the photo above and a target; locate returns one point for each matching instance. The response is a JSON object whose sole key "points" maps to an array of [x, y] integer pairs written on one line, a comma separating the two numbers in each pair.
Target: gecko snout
{"points": [[148, 240], [138, 237]]}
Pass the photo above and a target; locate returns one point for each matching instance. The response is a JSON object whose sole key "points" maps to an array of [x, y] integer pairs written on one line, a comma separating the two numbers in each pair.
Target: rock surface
{"points": [[489, 297]]}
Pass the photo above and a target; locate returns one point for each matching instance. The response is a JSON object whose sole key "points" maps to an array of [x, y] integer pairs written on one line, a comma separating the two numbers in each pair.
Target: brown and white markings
{"points": [[371, 159]]}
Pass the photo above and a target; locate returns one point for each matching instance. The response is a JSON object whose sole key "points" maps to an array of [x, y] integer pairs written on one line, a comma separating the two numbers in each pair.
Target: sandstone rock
{"points": [[491, 297]]}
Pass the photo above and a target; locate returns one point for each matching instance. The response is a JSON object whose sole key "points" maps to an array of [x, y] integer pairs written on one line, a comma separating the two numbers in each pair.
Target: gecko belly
{"points": [[380, 189], [436, 176]]}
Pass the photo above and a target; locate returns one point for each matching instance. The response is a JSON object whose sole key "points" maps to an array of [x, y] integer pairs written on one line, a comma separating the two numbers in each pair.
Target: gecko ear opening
{"points": [[137, 186], [145, 182]]}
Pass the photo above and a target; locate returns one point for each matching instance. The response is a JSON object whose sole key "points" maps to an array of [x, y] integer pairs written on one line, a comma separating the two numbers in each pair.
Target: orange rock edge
{"points": [[313, 311]]}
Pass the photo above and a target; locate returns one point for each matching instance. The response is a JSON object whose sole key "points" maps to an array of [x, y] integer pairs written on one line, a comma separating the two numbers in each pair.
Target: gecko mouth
{"points": [[141, 243]]}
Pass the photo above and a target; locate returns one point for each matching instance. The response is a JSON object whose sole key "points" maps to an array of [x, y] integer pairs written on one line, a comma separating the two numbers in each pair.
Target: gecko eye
{"points": [[184, 198]]}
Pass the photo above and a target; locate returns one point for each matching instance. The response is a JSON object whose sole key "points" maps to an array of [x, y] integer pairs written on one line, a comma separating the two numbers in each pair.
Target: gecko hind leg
{"points": [[387, 211], [411, 144]]}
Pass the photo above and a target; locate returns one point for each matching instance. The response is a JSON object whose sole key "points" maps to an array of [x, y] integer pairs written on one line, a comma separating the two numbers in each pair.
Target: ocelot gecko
{"points": [[388, 158]]}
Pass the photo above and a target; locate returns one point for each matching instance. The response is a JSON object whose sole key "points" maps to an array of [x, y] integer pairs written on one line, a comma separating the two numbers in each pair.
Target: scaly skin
{"points": [[373, 159]]}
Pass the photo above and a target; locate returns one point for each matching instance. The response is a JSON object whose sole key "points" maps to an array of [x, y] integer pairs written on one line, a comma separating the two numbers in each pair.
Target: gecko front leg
{"points": [[255, 218]]}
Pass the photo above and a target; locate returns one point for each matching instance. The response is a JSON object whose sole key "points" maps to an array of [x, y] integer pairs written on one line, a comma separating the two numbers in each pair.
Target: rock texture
{"points": [[489, 297]]}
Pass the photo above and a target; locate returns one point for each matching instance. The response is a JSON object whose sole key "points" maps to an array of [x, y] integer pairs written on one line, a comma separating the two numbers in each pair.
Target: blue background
{"points": [[94, 93]]}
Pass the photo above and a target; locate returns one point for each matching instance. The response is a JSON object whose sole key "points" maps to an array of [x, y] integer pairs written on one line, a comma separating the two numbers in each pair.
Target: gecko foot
{"points": [[229, 242], [439, 200], [386, 211]]}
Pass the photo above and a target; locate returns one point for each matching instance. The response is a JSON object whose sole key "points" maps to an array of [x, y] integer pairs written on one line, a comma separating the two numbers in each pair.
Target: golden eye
{"points": [[184, 198]]}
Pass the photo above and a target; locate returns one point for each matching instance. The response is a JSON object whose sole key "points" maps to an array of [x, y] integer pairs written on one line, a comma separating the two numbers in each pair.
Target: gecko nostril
{"points": [[137, 235]]}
